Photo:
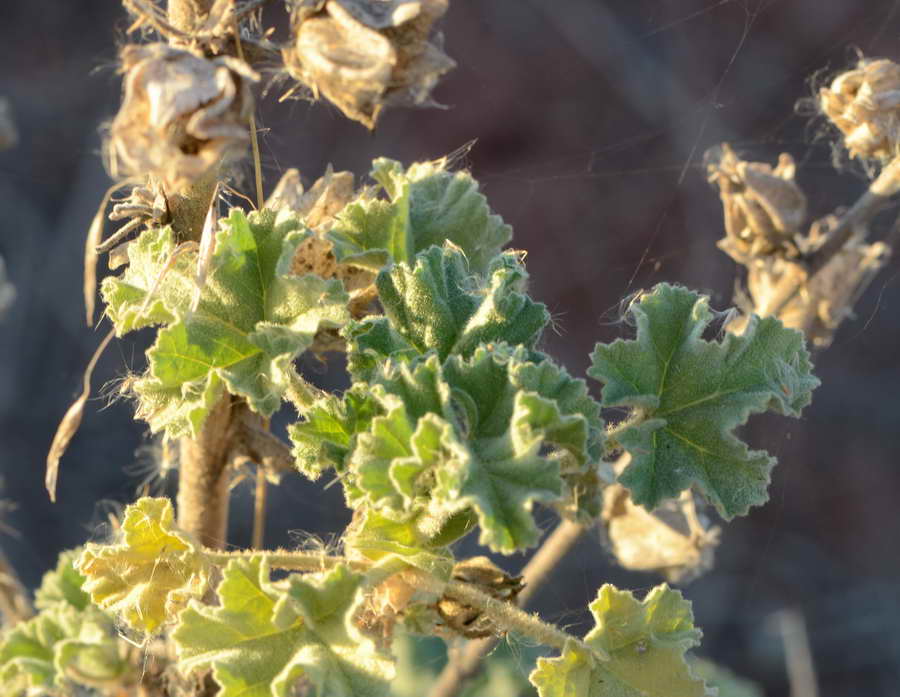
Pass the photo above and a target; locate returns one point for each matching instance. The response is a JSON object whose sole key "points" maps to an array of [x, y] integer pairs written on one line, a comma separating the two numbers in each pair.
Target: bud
{"points": [[864, 104], [182, 115], [764, 207], [364, 55]]}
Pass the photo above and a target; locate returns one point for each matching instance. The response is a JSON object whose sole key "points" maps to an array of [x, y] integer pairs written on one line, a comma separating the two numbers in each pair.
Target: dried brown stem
{"points": [[869, 204], [539, 569]]}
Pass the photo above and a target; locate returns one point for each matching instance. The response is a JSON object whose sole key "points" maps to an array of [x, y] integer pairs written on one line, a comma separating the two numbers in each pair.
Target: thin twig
{"points": [[263, 447], [539, 569], [798, 656]]}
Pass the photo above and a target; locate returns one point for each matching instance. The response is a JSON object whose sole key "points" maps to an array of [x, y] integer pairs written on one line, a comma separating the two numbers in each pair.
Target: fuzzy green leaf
{"points": [[470, 435], [252, 319], [60, 646], [645, 642], [327, 433], [63, 584], [263, 641], [151, 267], [427, 206], [689, 394], [148, 576], [438, 305]]}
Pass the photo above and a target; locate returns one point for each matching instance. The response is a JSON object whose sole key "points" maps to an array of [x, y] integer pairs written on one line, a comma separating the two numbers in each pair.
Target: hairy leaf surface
{"points": [[475, 434], [152, 271], [263, 641], [252, 319], [427, 206], [645, 642], [437, 305], [60, 646], [63, 584], [688, 395], [148, 576]]}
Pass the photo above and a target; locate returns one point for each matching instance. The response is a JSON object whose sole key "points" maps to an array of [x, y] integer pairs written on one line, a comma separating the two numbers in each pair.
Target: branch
{"points": [[538, 571]]}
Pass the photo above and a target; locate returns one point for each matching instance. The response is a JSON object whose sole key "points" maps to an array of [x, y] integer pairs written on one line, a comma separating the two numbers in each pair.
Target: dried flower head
{"points": [[364, 55], [864, 103], [181, 116], [764, 207]]}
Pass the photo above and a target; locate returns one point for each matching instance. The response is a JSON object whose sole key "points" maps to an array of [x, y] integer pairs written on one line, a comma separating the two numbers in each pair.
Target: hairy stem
{"points": [[504, 615], [204, 477], [467, 663]]}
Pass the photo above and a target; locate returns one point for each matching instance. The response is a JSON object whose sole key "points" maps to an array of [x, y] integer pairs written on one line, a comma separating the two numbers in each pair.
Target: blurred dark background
{"points": [[592, 119]]}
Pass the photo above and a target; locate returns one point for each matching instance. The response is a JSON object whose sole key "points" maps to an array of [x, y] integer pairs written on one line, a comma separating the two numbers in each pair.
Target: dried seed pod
{"points": [[182, 115], [826, 299], [364, 55], [481, 572], [764, 207], [317, 208], [864, 103], [145, 206], [672, 540]]}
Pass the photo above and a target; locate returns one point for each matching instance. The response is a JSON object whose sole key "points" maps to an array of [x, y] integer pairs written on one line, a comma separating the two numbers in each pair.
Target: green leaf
{"points": [[466, 436], [148, 576], [428, 205], [151, 267], [252, 319], [724, 680], [645, 642], [63, 585], [688, 395], [263, 641], [438, 305], [327, 434], [60, 646]]}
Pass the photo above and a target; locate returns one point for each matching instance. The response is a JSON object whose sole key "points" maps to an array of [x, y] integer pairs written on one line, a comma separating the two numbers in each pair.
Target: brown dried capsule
{"points": [[489, 578], [182, 115], [364, 55], [764, 207], [864, 103]]}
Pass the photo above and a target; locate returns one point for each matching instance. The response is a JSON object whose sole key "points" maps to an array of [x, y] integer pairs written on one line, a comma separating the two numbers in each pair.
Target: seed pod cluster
{"points": [[182, 115], [364, 55], [864, 103], [765, 213]]}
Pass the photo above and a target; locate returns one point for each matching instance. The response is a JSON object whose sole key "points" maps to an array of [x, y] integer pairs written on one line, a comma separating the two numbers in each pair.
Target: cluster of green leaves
{"points": [[68, 642], [455, 420]]}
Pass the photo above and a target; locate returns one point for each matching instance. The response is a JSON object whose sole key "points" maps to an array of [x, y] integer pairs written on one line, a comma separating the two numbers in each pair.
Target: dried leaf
{"points": [[71, 421], [95, 232]]}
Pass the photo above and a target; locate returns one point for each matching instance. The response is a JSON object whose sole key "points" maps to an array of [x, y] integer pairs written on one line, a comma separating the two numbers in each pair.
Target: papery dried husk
{"points": [[864, 104], [674, 540], [825, 300], [317, 208], [764, 208], [182, 115], [364, 55]]}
